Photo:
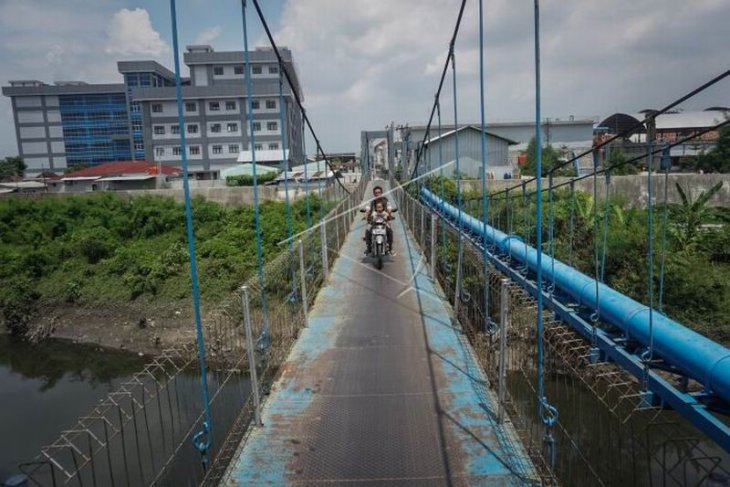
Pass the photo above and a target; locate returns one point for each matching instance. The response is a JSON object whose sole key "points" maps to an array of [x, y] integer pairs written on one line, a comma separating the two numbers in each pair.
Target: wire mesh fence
{"points": [[605, 434], [142, 433]]}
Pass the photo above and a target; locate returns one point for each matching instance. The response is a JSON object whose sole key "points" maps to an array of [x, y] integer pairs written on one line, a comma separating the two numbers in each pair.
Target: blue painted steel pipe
{"points": [[695, 355]]}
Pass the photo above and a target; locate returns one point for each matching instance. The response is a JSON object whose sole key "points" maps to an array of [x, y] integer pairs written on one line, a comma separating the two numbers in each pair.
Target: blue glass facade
{"points": [[95, 128], [131, 81]]}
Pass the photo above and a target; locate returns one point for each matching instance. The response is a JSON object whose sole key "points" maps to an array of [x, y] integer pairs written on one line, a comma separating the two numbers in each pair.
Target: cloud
{"points": [[363, 63], [130, 33], [207, 36]]}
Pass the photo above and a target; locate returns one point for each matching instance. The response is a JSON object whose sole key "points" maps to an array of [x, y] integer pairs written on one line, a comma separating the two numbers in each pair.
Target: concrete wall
{"points": [[231, 196], [632, 188]]}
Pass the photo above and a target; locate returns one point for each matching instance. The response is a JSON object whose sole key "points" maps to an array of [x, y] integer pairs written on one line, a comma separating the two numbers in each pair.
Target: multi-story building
{"points": [[70, 124]]}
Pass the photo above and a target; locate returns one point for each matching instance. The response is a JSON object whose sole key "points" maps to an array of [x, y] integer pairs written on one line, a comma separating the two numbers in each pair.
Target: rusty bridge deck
{"points": [[381, 389]]}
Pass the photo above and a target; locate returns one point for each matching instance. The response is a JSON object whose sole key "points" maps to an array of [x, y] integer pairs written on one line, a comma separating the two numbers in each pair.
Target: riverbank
{"points": [[141, 328]]}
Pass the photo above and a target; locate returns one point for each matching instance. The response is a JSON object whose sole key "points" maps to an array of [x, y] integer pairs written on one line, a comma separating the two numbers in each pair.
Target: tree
{"points": [[717, 159], [550, 159], [691, 213], [12, 166], [617, 156]]}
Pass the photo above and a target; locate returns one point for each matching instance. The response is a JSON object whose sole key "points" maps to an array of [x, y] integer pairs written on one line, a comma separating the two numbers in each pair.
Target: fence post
{"points": [[303, 278], [503, 319], [434, 227], [423, 226], [457, 290], [323, 239], [251, 356]]}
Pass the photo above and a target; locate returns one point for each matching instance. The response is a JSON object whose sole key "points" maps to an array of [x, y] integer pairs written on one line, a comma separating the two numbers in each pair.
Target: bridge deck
{"points": [[380, 389]]}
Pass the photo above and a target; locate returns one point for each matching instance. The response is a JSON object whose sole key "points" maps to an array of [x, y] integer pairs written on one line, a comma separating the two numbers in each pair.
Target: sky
{"points": [[366, 63]]}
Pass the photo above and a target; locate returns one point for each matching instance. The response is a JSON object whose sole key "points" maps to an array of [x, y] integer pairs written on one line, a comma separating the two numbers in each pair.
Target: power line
{"points": [[294, 91], [452, 43]]}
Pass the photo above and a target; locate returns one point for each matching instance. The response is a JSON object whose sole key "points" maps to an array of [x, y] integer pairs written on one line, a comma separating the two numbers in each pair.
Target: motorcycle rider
{"points": [[370, 208]]}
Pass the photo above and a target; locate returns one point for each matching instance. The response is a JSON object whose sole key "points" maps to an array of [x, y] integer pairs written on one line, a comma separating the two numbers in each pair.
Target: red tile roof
{"points": [[124, 167]]}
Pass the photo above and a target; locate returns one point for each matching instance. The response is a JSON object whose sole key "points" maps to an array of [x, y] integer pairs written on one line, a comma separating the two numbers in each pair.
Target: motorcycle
{"points": [[379, 238]]}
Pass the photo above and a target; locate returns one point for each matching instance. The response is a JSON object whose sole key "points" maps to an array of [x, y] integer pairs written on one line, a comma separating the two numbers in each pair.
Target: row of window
{"points": [[218, 70], [215, 128], [194, 150], [215, 106]]}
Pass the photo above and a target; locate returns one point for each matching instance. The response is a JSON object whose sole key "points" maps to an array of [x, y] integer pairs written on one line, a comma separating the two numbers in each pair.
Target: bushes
{"points": [[246, 180], [99, 248]]}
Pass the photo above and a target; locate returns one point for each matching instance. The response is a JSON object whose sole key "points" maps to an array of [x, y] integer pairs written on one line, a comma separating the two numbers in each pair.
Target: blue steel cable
{"points": [[571, 230], [202, 439], [485, 205], [596, 267], [456, 140], [441, 176], [604, 250], [548, 414], [263, 340], [665, 164], [306, 177], [284, 158], [648, 355]]}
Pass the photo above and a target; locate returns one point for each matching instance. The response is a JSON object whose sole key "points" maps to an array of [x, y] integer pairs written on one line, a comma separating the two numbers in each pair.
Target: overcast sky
{"points": [[365, 63]]}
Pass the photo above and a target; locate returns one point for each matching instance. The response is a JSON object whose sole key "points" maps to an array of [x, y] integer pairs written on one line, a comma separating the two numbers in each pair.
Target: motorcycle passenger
{"points": [[378, 195]]}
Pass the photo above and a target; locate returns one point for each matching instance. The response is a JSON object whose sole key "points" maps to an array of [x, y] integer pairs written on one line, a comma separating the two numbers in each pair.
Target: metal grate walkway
{"points": [[381, 389]]}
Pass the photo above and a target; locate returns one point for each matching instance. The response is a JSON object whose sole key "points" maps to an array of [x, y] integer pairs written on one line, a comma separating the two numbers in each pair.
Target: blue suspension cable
{"points": [[485, 205], [441, 176], [306, 176], [202, 439], [604, 250], [265, 337], [284, 157], [648, 355], [666, 163], [548, 414], [456, 141]]}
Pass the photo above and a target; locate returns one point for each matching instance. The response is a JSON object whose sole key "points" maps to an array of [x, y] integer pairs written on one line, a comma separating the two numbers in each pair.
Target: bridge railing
{"points": [[142, 433], [638, 443]]}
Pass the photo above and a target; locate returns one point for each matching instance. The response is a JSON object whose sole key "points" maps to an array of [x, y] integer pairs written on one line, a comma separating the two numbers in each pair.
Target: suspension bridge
{"points": [[474, 357]]}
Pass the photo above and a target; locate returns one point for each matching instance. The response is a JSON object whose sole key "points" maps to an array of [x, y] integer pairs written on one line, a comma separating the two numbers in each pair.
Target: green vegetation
{"points": [[550, 159], [717, 159], [12, 166], [696, 287], [246, 180], [101, 248]]}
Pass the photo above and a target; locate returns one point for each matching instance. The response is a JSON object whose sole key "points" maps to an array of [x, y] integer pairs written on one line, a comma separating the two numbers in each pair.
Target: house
{"points": [[440, 151], [114, 176]]}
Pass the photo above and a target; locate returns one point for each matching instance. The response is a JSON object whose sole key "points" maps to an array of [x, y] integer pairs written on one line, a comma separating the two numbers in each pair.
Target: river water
{"points": [[45, 387]]}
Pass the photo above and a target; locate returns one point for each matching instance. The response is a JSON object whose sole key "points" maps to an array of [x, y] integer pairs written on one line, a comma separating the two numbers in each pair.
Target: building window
{"points": [[193, 128], [237, 69], [218, 71], [176, 151], [273, 69], [214, 106], [194, 150], [138, 146], [159, 129], [175, 129], [159, 151], [271, 104], [274, 146], [258, 147], [233, 149], [217, 149], [272, 126], [256, 70], [255, 104], [257, 126], [232, 127], [191, 107], [136, 126], [230, 105], [157, 108], [215, 128]]}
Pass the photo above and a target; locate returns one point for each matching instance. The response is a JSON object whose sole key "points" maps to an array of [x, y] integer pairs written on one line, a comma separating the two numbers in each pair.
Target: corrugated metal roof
{"points": [[472, 127], [262, 155], [246, 170]]}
